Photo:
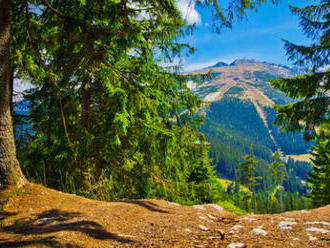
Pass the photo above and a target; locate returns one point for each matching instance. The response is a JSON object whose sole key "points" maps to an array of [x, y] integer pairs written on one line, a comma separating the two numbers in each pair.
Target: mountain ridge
{"points": [[246, 79], [240, 114]]}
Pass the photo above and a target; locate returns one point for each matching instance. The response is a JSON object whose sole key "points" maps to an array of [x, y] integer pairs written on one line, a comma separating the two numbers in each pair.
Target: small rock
{"points": [[311, 238], [259, 231], [199, 207], [248, 219], [126, 236], [217, 207], [315, 229], [187, 230], [285, 227], [236, 227], [174, 203], [236, 245], [211, 216], [203, 228], [202, 217], [317, 223], [45, 221], [286, 224]]}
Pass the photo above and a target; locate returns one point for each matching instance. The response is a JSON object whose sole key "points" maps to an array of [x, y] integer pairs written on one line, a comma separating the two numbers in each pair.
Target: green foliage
{"points": [[107, 120], [234, 91], [319, 179], [310, 90], [247, 175], [289, 142], [231, 127], [230, 206], [278, 175], [277, 168], [247, 172]]}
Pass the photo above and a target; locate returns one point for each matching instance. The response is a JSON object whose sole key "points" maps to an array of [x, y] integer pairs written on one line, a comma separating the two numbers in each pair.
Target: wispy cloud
{"points": [[188, 11]]}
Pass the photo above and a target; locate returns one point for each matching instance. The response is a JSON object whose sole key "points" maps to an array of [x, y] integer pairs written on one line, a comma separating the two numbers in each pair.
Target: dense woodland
{"points": [[232, 126], [104, 119]]}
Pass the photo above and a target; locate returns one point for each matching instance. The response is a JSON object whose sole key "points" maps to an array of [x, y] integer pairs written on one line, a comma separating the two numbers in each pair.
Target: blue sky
{"points": [[258, 36]]}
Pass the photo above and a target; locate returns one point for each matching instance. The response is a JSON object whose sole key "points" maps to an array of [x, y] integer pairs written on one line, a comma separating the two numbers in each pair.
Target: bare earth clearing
{"points": [[41, 217]]}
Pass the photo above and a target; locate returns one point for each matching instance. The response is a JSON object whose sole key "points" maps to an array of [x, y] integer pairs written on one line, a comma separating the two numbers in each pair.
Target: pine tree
{"points": [[107, 117], [247, 175], [311, 90], [278, 174], [319, 179], [10, 171]]}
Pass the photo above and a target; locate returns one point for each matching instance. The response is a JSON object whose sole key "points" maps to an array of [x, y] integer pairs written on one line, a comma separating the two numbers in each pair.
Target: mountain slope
{"points": [[39, 217], [240, 91], [239, 122]]}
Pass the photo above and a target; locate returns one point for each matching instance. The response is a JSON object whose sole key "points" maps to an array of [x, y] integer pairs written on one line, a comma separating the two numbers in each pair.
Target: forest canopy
{"points": [[108, 120]]}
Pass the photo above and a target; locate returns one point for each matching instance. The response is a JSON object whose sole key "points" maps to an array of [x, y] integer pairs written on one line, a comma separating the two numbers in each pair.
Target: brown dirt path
{"points": [[41, 217]]}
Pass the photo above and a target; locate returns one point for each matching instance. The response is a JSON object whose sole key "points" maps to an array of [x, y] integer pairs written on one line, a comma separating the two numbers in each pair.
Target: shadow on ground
{"points": [[146, 204], [50, 222]]}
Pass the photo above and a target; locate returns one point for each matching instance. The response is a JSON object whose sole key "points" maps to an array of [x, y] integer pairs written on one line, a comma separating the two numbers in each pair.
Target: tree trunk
{"points": [[10, 171]]}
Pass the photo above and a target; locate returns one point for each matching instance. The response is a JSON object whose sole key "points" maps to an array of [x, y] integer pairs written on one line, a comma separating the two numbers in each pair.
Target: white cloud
{"points": [[19, 87], [188, 11]]}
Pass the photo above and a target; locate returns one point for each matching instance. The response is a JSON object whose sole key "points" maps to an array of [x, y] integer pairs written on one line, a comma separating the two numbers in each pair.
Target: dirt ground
{"points": [[36, 216]]}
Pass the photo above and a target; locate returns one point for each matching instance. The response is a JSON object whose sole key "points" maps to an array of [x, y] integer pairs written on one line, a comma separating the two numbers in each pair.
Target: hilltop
{"points": [[39, 217], [248, 75]]}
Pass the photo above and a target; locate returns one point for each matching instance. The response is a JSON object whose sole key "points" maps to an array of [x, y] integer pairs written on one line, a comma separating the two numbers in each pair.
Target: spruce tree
{"points": [[319, 180], [278, 174], [310, 90], [247, 176], [108, 119]]}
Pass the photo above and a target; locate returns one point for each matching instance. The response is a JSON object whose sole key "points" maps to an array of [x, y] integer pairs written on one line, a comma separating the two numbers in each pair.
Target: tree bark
{"points": [[10, 171]]}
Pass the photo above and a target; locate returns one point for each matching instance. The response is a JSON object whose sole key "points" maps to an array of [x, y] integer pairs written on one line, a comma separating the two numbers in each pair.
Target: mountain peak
{"points": [[219, 64], [243, 62]]}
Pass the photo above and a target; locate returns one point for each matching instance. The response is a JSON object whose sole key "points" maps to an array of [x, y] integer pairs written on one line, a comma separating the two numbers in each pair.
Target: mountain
{"points": [[219, 64], [240, 116]]}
